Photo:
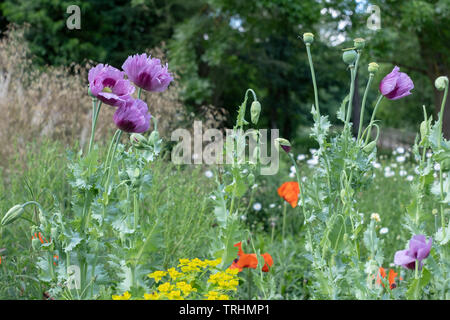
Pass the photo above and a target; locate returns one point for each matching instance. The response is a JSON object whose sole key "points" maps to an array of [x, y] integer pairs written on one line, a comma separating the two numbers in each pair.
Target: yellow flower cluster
{"points": [[214, 295], [125, 296], [193, 279], [225, 280]]}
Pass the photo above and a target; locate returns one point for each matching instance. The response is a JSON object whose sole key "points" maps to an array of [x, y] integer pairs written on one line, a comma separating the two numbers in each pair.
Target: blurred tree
{"points": [[231, 45]]}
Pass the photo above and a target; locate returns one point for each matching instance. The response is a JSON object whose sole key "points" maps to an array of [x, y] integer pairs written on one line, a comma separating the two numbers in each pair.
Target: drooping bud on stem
{"points": [[441, 82], [138, 141], [255, 110], [283, 143], [13, 214]]}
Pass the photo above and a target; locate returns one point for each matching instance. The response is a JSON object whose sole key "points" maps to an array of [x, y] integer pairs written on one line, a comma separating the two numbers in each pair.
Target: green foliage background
{"points": [[221, 47]]}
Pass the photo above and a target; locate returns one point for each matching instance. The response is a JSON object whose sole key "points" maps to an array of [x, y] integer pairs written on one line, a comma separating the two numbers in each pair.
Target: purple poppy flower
{"points": [[147, 73], [396, 85], [133, 116], [108, 85], [418, 250]]}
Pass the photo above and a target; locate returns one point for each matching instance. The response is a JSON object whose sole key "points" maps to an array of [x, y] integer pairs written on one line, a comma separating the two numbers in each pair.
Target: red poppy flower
{"points": [[249, 260], [289, 191], [391, 277]]}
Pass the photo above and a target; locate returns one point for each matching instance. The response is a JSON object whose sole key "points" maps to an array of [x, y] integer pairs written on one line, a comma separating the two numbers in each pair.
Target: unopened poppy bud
{"points": [[369, 147], [373, 67], [308, 37], [36, 243], [349, 56], [138, 140], [13, 214], [284, 143], [359, 43], [255, 110], [424, 129], [441, 83]]}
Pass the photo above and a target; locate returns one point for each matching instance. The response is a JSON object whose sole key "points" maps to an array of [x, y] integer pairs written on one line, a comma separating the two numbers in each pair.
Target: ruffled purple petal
{"points": [[147, 73], [111, 99], [133, 116], [402, 258], [387, 85]]}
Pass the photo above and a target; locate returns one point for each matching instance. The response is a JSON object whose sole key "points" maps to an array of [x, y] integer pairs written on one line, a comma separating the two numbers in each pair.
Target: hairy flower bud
{"points": [[359, 43], [13, 214], [369, 147], [349, 56], [138, 141], [373, 67], [255, 110], [441, 83], [284, 143], [308, 37]]}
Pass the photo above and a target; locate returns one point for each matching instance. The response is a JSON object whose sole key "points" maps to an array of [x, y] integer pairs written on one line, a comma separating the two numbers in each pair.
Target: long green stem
{"points": [[441, 179], [372, 119], [284, 220], [96, 105], [363, 105], [350, 100], [313, 76]]}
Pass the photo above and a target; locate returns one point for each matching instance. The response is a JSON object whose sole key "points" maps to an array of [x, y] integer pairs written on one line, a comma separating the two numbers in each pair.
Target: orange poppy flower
{"points": [[249, 260], [391, 277], [289, 191]]}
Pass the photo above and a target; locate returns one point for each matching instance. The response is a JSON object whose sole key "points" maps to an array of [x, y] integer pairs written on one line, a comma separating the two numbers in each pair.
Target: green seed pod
{"points": [[373, 67], [441, 83], [369, 147], [251, 178], [349, 56], [308, 37], [13, 214], [90, 94], [359, 43], [36, 243], [255, 110]]}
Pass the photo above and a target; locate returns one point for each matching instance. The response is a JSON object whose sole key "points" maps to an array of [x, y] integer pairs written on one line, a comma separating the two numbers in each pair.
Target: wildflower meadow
{"points": [[145, 206]]}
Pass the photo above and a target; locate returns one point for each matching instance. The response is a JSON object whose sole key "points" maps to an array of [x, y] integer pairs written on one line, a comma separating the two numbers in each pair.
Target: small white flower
{"points": [[257, 206], [437, 167], [292, 175], [376, 165], [410, 178], [209, 174], [292, 169], [400, 150], [205, 36], [429, 154], [375, 216], [255, 186], [416, 170], [301, 157], [313, 151], [394, 165], [213, 197], [402, 173], [387, 169], [389, 174], [244, 171], [400, 159], [272, 205], [243, 217], [384, 230], [303, 179], [313, 161]]}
